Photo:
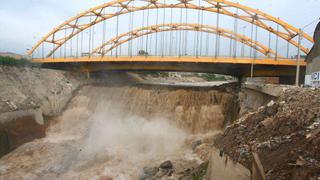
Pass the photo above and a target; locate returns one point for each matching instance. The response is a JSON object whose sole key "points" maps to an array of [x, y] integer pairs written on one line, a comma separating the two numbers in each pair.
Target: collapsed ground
{"points": [[284, 133]]}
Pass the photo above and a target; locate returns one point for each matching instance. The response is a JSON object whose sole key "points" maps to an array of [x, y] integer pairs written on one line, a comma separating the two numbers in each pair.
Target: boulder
{"points": [[166, 165]]}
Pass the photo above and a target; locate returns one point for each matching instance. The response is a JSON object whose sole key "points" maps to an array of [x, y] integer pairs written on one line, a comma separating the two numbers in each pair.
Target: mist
{"points": [[131, 133]]}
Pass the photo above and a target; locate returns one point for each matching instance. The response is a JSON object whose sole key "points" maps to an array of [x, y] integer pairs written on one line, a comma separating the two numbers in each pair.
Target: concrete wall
{"points": [[313, 66]]}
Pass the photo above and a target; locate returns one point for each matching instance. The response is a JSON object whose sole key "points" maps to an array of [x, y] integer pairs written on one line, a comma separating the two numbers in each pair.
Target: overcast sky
{"points": [[23, 22]]}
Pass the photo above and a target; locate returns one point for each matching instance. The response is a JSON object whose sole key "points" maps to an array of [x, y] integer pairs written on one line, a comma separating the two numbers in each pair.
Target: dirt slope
{"points": [[23, 88], [285, 134]]}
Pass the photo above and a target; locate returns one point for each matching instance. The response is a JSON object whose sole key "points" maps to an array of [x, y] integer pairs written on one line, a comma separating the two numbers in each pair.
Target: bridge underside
{"points": [[227, 66]]}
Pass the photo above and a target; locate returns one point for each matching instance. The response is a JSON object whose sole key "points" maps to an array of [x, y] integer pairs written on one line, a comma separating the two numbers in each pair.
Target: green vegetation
{"points": [[201, 172], [157, 74], [10, 61], [212, 77]]}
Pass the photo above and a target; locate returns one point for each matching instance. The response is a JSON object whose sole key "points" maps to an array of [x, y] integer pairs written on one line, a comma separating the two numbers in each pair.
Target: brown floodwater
{"points": [[113, 132]]}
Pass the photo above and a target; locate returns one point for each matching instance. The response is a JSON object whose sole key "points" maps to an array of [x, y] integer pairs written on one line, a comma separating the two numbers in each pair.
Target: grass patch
{"points": [[156, 74], [212, 77], [10, 61], [201, 171]]}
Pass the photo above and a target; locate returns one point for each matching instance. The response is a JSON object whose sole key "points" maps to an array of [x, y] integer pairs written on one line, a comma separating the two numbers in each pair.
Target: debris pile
{"points": [[285, 133], [167, 170]]}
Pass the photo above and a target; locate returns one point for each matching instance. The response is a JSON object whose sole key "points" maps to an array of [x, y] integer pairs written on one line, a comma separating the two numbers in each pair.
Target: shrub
{"points": [[212, 77], [10, 61]]}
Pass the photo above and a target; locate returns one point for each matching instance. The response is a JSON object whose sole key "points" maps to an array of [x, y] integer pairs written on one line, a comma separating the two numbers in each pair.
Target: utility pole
{"points": [[298, 58]]}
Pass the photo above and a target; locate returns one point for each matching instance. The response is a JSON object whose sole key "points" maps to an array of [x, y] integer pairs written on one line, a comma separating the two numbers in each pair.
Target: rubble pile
{"points": [[167, 170], [285, 134]]}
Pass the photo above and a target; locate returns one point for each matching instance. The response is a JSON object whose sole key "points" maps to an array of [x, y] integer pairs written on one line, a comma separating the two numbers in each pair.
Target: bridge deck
{"points": [[186, 59], [222, 65]]}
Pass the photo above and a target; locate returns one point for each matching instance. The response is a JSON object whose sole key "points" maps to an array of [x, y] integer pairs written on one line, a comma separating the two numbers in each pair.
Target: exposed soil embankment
{"points": [[27, 94], [19, 127], [285, 134], [24, 88]]}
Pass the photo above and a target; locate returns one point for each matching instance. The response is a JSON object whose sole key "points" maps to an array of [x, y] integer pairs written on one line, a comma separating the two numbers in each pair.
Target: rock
{"points": [[12, 105], [196, 144], [271, 103], [313, 134], [267, 122], [148, 172], [166, 165]]}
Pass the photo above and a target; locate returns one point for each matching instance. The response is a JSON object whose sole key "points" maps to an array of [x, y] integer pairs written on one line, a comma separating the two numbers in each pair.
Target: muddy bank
{"points": [[19, 127], [26, 95]]}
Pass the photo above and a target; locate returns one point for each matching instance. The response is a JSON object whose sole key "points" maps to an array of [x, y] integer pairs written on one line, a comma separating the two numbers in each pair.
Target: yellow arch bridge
{"points": [[176, 35]]}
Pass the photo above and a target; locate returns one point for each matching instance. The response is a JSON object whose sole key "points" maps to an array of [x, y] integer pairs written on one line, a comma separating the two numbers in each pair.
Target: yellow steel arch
{"points": [[57, 37], [128, 36]]}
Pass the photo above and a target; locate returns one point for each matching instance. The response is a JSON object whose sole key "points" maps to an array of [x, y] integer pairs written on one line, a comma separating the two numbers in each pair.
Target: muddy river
{"points": [[118, 132]]}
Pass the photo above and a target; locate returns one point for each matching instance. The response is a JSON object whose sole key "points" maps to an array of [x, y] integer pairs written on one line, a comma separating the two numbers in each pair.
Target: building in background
{"points": [[313, 61]]}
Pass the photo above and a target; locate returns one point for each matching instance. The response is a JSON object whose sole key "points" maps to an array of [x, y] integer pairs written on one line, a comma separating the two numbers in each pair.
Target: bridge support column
{"points": [[87, 74], [290, 80], [240, 79]]}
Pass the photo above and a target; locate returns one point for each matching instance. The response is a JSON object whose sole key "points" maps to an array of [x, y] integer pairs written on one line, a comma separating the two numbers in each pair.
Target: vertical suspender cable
{"points": [[230, 44], [243, 42], [42, 47], [201, 35], [186, 35], [60, 51], [252, 61], [147, 40], [117, 29], [288, 49], [218, 33], [242, 48], [163, 34], [269, 42], [142, 39], [53, 46], [207, 44], [90, 32], [197, 43], [77, 48], [180, 38], [65, 44], [81, 44], [93, 33], [132, 24], [129, 27], [251, 36], [277, 42], [171, 34], [71, 44], [103, 35], [235, 31], [156, 45], [255, 43]]}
